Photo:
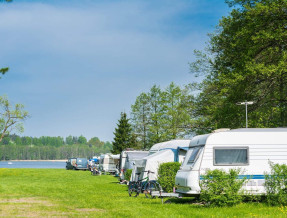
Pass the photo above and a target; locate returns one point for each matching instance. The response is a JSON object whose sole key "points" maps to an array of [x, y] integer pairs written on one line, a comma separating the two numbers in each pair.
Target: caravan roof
{"points": [[173, 144], [109, 155], [249, 136]]}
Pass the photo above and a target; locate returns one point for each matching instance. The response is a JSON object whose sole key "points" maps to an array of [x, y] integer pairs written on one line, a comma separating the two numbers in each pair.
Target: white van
{"points": [[247, 149]]}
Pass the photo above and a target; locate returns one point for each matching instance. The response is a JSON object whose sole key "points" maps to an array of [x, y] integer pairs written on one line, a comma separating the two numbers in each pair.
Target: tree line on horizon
{"points": [[245, 59], [14, 147]]}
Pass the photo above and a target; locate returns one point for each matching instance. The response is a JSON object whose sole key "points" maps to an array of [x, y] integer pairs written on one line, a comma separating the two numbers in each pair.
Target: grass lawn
{"points": [[63, 193]]}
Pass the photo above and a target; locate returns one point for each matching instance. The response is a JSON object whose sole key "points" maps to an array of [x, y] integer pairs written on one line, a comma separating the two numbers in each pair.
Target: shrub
{"points": [[276, 184], [166, 175], [128, 174], [249, 197], [220, 188]]}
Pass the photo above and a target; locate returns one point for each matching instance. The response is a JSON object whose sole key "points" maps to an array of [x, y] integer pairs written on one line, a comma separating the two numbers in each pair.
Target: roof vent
{"points": [[220, 130]]}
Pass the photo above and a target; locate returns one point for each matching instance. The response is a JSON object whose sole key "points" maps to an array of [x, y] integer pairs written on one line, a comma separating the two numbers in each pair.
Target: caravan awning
{"points": [[115, 156], [153, 161], [136, 155]]}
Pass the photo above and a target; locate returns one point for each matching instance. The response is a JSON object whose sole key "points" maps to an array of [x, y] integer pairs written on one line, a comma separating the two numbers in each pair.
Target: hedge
{"points": [[128, 174], [220, 188], [276, 184], [166, 175]]}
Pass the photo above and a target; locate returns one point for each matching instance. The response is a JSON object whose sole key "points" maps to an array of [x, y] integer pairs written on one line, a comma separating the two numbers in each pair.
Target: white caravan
{"points": [[109, 163], [170, 151], [128, 160], [247, 149]]}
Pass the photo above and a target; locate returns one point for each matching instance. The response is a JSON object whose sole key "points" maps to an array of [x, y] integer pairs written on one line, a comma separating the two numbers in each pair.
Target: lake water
{"points": [[33, 164]]}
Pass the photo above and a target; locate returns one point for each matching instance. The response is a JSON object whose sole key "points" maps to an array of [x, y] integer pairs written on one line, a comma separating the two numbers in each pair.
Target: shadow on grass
{"points": [[189, 200]]}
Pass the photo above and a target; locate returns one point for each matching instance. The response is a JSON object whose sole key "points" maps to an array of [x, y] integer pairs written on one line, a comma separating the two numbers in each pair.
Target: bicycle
{"points": [[133, 187], [144, 186]]}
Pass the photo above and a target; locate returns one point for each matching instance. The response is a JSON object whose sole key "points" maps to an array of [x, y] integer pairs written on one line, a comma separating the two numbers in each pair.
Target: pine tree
{"points": [[123, 135]]}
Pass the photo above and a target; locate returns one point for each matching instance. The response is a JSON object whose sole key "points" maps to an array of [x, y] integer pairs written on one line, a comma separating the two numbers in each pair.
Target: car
{"points": [[77, 164]]}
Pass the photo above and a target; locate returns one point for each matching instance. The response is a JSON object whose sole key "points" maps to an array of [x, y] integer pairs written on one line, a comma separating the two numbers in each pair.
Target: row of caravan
{"points": [[170, 151], [251, 150], [141, 161]]}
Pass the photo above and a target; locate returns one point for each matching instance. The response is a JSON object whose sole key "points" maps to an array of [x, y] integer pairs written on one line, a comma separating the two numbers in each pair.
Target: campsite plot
{"points": [[62, 193]]}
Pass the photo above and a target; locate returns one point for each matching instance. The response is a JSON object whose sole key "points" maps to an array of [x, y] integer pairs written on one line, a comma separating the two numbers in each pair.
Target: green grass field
{"points": [[62, 193]]}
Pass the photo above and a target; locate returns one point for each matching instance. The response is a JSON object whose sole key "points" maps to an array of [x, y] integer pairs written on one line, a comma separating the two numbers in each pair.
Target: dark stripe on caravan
{"points": [[246, 176]]}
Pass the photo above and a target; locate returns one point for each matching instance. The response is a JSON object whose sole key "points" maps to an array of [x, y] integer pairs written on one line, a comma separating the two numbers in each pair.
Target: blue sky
{"points": [[76, 65]]}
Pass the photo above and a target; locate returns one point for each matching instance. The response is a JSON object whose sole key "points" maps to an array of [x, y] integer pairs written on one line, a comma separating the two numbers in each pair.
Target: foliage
{"points": [[11, 117], [276, 184], [162, 115], [220, 188], [24, 152], [69, 140], [53, 141], [166, 175], [95, 141], [3, 70], [245, 60], [123, 135], [140, 119], [15, 147], [128, 174], [82, 140]]}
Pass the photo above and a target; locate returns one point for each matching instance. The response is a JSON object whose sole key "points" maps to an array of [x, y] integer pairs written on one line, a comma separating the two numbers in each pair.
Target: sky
{"points": [[76, 65]]}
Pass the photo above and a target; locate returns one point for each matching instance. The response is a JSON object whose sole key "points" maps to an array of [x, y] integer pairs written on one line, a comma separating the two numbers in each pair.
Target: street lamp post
{"points": [[245, 103]]}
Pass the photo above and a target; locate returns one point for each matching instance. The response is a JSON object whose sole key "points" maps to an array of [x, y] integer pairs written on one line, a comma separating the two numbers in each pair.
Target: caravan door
{"points": [[187, 178]]}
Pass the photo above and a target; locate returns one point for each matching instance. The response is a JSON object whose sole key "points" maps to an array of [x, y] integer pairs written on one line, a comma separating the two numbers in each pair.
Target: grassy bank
{"points": [[62, 193]]}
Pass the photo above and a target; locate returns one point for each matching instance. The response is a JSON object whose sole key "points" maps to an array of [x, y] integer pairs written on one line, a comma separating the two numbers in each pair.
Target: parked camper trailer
{"points": [[247, 149], [109, 163], [128, 160], [94, 162], [170, 151]]}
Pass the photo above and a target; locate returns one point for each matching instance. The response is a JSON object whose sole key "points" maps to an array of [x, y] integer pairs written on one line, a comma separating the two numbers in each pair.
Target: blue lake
{"points": [[33, 164]]}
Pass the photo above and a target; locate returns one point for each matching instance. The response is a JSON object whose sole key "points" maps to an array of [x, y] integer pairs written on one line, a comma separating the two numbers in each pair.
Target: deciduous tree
{"points": [[140, 118], [161, 115], [82, 140], [11, 117], [246, 60]]}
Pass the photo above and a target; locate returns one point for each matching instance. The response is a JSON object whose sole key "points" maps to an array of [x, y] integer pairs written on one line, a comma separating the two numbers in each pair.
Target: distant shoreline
{"points": [[34, 160]]}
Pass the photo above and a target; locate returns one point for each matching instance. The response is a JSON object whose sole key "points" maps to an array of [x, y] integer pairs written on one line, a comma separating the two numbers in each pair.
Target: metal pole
{"points": [[246, 114], [245, 103]]}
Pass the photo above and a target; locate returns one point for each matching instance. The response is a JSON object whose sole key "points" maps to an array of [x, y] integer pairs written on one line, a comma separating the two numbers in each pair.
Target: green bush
{"points": [[276, 184], [166, 175], [128, 174], [220, 188]]}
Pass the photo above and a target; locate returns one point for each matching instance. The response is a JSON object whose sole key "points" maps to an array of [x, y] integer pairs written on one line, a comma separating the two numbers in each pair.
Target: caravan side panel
{"points": [[263, 148], [255, 149]]}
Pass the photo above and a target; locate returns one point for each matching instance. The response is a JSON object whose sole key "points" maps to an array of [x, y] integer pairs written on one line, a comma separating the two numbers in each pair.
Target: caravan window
{"points": [[193, 155], [231, 156]]}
